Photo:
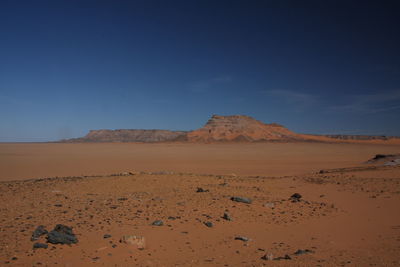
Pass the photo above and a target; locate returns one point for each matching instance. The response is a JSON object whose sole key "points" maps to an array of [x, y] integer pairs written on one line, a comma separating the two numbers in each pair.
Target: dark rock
{"points": [[295, 197], [14, 258], [201, 190], [158, 223], [267, 257], [208, 224], [286, 257], [303, 251], [106, 236], [62, 235], [241, 199], [227, 217], [242, 238], [40, 245], [39, 231]]}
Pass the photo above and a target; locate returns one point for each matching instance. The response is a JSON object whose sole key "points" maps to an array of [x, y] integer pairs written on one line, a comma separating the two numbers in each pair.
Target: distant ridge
{"points": [[240, 128], [127, 135], [234, 128]]}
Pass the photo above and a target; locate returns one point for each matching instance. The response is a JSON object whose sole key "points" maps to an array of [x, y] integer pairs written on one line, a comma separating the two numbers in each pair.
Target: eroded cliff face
{"points": [[147, 136], [240, 128], [236, 128]]}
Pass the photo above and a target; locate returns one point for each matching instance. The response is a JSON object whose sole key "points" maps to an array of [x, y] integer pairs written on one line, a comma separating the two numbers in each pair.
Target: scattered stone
{"points": [[393, 162], [137, 241], [158, 223], [269, 205], [268, 257], [241, 199], [201, 190], [171, 218], [58, 205], [286, 257], [39, 231], [303, 251], [227, 217], [40, 245], [62, 235], [242, 238], [208, 224], [295, 197], [106, 236], [14, 258]]}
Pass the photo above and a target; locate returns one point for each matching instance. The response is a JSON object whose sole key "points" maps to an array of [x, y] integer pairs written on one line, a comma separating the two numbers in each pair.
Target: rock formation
{"points": [[236, 128], [147, 136], [241, 128]]}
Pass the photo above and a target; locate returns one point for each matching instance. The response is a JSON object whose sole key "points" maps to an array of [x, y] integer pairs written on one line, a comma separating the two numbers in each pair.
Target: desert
{"points": [[199, 133], [180, 198]]}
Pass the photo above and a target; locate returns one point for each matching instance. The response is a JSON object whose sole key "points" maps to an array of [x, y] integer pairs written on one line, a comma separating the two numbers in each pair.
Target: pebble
{"points": [[137, 241], [303, 251], [61, 235], [208, 224], [40, 245], [201, 190], [39, 231], [269, 205], [227, 217], [242, 199], [242, 238], [295, 197], [158, 223]]}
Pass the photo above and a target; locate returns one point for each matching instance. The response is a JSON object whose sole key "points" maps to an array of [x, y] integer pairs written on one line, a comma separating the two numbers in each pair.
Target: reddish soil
{"points": [[347, 215]]}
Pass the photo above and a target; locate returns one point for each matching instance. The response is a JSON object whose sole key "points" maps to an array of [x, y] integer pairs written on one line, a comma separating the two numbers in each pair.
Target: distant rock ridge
{"points": [[233, 128], [240, 128], [128, 135]]}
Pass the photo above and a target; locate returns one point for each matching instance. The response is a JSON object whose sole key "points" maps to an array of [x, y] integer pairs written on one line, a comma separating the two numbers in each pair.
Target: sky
{"points": [[323, 67]]}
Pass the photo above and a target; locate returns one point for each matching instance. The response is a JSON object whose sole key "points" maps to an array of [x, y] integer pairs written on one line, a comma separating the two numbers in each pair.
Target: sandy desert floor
{"points": [[348, 214]]}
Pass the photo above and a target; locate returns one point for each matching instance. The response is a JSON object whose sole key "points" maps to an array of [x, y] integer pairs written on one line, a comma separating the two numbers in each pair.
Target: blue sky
{"points": [[316, 67]]}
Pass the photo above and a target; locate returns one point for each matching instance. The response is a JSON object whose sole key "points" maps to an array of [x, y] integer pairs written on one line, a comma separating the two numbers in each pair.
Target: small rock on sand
{"points": [[61, 235], [158, 223], [295, 197], [242, 238], [227, 217], [303, 251], [208, 224], [269, 205], [40, 245], [39, 231], [201, 190], [242, 199], [137, 241]]}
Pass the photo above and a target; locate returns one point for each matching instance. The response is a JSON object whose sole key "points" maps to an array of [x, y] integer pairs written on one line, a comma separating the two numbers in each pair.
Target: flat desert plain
{"points": [[258, 204]]}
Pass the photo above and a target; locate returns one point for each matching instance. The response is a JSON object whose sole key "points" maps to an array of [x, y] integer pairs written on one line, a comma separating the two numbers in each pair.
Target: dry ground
{"points": [[23, 161], [346, 217]]}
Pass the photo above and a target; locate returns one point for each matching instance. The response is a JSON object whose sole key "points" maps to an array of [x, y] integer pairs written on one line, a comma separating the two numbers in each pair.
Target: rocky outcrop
{"points": [[236, 128], [239, 128], [147, 136], [360, 137]]}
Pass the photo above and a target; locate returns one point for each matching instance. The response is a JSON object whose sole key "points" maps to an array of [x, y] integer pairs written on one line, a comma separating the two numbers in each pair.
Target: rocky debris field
{"points": [[178, 219]]}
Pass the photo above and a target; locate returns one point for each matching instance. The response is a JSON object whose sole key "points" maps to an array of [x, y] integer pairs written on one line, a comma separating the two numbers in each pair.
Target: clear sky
{"points": [[313, 66]]}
